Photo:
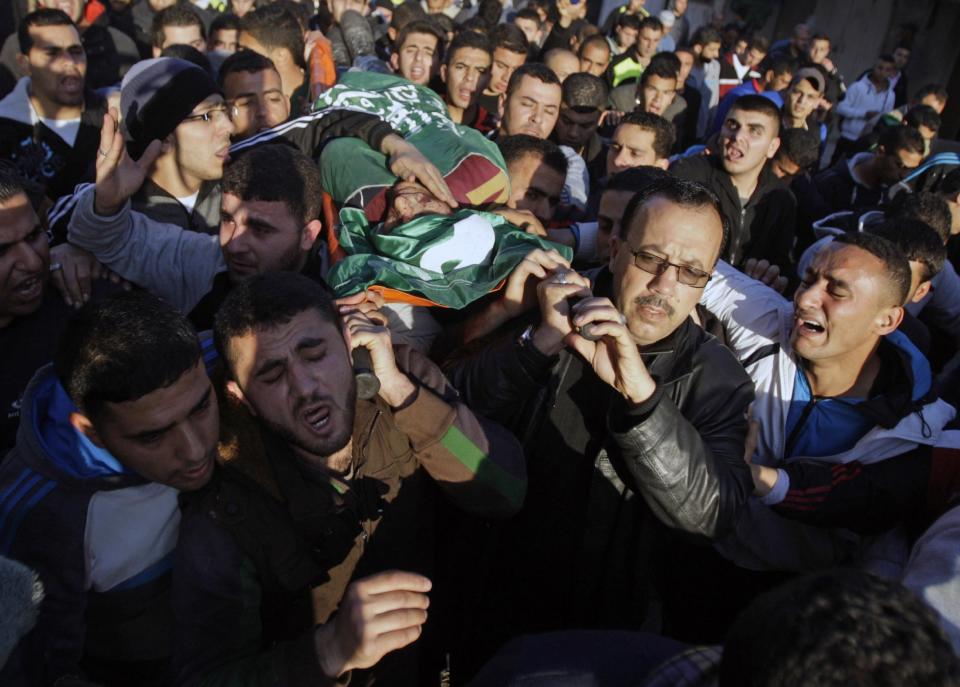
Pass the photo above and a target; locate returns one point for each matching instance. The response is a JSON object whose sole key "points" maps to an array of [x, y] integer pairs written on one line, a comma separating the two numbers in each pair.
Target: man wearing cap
{"points": [[179, 104], [800, 102]]}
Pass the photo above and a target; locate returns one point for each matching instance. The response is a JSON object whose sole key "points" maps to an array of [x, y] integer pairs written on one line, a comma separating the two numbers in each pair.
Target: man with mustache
{"points": [[316, 487], [32, 314], [49, 123], [645, 420]]}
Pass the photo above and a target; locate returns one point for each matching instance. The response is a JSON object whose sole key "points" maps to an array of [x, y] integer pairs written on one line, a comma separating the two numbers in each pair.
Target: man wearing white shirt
{"points": [[50, 123]]}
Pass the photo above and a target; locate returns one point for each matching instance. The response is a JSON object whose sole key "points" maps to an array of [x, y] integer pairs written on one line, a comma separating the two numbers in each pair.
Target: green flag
{"points": [[451, 260]]}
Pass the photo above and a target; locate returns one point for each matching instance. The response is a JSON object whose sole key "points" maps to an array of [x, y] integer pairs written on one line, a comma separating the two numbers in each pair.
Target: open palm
{"points": [[118, 175]]}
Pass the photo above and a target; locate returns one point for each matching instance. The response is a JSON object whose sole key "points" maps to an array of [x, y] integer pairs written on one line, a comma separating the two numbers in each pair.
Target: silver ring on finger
{"points": [[561, 277], [54, 266]]}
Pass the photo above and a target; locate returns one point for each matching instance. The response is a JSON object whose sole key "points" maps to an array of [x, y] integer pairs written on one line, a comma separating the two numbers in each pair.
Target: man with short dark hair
{"points": [[334, 487], [617, 192], [224, 34], [32, 313], [641, 139], [253, 92], [531, 105], [109, 46], [583, 102], [124, 419], [275, 33], [629, 65], [798, 153], [509, 52], [528, 20], [861, 182], [836, 382], [656, 90], [48, 123], [537, 169], [595, 55], [418, 51], [178, 25], [624, 35], [818, 57], [607, 445], [759, 207], [465, 74]]}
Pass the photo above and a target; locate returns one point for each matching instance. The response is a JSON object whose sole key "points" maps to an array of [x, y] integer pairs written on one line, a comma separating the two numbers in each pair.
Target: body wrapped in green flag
{"points": [[450, 260], [357, 176]]}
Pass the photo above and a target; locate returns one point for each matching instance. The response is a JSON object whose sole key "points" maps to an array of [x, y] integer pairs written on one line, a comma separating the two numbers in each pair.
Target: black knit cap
{"points": [[156, 95]]}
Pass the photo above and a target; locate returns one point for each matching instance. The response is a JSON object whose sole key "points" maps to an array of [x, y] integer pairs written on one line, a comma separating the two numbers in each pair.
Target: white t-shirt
{"points": [[189, 201], [66, 129]]}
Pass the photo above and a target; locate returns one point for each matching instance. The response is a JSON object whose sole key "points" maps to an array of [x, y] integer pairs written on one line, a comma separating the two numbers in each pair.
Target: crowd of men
{"points": [[452, 342]]}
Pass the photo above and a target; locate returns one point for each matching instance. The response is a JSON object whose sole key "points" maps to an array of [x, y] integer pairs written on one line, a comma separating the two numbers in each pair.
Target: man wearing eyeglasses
{"points": [[618, 395]]}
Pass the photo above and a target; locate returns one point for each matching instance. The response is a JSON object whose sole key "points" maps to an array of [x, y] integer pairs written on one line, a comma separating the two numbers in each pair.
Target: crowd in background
{"points": [[453, 342]]}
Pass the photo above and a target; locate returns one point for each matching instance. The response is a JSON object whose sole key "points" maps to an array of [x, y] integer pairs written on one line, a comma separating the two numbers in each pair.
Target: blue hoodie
{"points": [[100, 537]]}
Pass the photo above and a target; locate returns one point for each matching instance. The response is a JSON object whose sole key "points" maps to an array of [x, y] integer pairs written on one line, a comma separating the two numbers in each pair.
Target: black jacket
{"points": [[576, 554], [764, 227]]}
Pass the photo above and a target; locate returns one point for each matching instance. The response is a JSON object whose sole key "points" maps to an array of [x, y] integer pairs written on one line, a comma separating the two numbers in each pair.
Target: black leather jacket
{"points": [[681, 450]]}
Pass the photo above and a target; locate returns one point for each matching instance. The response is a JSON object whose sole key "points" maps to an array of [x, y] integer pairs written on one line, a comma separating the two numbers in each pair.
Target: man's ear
{"points": [[501, 106], [773, 148], [395, 63], [157, 51], [310, 233], [168, 143], [443, 73], [392, 34], [697, 49], [888, 320], [921, 291], [663, 163], [84, 425], [234, 390]]}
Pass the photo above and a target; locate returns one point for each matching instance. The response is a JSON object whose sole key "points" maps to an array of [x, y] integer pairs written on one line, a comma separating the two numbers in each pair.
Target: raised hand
{"points": [[614, 356], [369, 330], [378, 614], [118, 175]]}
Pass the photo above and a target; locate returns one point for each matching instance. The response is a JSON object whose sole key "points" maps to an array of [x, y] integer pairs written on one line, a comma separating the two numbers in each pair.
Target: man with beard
{"points": [[760, 208], [122, 421], [49, 123], [32, 315], [643, 417], [316, 487]]}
